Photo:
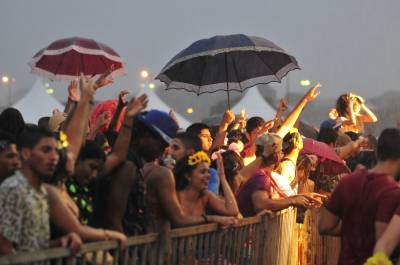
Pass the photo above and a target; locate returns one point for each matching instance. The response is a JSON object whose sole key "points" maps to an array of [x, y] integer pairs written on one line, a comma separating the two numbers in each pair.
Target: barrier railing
{"points": [[259, 240]]}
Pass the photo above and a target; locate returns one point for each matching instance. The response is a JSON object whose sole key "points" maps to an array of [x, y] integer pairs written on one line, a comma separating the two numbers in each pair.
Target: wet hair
{"points": [[289, 142], [91, 150], [367, 158], [181, 169], [43, 122], [234, 136], [389, 145], [11, 120], [190, 141], [253, 123], [6, 139], [304, 163], [196, 128], [31, 136], [327, 135], [233, 163], [353, 135]]}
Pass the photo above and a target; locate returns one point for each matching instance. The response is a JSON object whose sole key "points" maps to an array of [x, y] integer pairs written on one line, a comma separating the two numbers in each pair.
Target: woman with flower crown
{"points": [[192, 175]]}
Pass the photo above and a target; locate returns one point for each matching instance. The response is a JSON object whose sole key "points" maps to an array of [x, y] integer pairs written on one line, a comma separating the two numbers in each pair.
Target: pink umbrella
{"points": [[320, 149], [65, 59], [109, 106]]}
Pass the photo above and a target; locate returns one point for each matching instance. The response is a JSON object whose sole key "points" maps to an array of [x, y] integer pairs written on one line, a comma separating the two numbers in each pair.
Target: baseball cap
{"points": [[331, 124], [272, 143], [160, 123]]}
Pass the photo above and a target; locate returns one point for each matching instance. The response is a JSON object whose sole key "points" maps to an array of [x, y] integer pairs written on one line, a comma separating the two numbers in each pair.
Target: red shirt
{"points": [[359, 200], [259, 181]]}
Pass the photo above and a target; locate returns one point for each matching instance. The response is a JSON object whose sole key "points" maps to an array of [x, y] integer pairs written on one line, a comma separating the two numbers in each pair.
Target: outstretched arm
{"points": [[369, 116], [121, 146], [228, 118], [122, 102], [294, 115]]}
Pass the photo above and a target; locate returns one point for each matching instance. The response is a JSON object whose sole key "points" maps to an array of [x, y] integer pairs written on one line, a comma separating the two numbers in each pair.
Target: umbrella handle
{"points": [[229, 98]]}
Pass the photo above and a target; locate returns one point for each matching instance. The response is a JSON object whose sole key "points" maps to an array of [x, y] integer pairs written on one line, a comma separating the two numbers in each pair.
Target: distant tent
{"points": [[156, 103], [255, 105], [37, 103]]}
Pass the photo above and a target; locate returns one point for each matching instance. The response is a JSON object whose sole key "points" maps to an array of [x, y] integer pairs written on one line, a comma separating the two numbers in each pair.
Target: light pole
{"points": [[6, 80]]}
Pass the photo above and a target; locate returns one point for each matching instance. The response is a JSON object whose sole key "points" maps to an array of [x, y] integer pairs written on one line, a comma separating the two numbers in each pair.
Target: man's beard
{"points": [[271, 160]]}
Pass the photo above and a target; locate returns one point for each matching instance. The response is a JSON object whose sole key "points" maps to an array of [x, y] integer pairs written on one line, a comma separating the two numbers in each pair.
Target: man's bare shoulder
{"points": [[160, 174]]}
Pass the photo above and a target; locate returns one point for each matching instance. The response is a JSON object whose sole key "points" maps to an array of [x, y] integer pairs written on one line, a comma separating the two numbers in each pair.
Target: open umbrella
{"points": [[320, 149], [227, 63], [65, 59]]}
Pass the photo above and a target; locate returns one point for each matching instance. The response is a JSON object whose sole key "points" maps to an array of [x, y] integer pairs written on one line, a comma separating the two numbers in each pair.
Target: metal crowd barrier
{"points": [[272, 239]]}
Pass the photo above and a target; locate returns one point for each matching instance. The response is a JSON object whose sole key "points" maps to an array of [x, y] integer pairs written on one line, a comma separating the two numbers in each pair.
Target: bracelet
{"points": [[126, 126], [205, 218]]}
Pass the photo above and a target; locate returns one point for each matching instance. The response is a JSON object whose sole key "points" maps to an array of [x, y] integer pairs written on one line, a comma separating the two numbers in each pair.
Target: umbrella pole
{"points": [[229, 98], [227, 80]]}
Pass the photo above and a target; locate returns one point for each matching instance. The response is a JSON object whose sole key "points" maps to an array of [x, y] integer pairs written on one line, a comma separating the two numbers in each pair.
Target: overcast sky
{"points": [[346, 45]]}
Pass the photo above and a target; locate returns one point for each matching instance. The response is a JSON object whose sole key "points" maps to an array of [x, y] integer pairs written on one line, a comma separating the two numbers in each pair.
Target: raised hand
{"points": [[266, 127], [73, 93], [103, 80], [87, 86], [220, 166], [122, 101], [136, 105], [313, 93], [229, 117], [283, 105], [103, 119]]}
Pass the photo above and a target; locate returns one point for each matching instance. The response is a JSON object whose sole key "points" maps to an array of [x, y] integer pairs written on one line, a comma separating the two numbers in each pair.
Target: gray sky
{"points": [[346, 45]]}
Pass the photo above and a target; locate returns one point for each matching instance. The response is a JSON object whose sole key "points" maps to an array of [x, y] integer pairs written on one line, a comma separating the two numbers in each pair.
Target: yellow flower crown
{"points": [[378, 259], [198, 158], [62, 141]]}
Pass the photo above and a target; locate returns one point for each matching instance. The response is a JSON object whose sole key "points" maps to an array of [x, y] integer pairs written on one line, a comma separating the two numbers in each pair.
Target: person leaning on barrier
{"points": [[24, 222], [147, 201], [192, 175], [255, 195]]}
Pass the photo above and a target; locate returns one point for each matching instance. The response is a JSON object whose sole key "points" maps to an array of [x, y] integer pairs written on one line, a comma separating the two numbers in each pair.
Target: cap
{"points": [[160, 123], [332, 124], [272, 143], [55, 120]]}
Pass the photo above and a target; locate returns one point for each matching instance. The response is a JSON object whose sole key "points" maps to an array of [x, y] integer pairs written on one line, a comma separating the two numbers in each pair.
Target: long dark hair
{"points": [[181, 169]]}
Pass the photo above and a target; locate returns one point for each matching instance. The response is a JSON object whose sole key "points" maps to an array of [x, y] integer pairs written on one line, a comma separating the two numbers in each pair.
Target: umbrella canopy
{"points": [[320, 149], [227, 63], [65, 59]]}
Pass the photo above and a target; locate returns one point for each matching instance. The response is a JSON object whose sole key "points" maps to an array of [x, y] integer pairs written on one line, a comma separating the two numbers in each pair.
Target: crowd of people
{"points": [[72, 179]]}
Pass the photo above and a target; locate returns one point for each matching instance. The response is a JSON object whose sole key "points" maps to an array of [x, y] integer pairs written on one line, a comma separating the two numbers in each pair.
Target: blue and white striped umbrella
{"points": [[227, 63]]}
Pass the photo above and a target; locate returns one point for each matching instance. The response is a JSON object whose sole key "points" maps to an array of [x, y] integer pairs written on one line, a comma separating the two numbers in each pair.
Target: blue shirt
{"points": [[213, 183]]}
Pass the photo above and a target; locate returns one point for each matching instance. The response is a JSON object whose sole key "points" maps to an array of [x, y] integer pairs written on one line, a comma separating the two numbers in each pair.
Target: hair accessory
{"points": [[198, 158], [62, 141]]}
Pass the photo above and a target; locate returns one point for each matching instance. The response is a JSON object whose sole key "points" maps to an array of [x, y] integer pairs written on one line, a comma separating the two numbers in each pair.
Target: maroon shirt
{"points": [[259, 181], [359, 200]]}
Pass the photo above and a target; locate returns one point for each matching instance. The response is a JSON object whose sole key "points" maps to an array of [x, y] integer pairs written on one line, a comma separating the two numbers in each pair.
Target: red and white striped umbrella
{"points": [[65, 59]]}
